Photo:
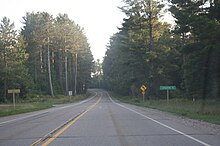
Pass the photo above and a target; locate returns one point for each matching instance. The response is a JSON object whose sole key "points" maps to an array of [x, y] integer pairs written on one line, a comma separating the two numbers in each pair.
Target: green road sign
{"points": [[167, 87]]}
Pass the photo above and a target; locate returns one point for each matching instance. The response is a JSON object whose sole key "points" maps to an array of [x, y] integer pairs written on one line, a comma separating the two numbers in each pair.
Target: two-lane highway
{"points": [[100, 121]]}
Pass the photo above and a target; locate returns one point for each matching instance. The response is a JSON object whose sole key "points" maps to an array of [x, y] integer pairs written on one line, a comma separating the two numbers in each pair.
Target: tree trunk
{"points": [[6, 75], [60, 69], [70, 73], [35, 69], [151, 48], [75, 76], [49, 70], [66, 74], [205, 81]]}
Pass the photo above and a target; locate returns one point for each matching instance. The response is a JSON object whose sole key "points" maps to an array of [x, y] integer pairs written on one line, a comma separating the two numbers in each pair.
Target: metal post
{"points": [[167, 96]]}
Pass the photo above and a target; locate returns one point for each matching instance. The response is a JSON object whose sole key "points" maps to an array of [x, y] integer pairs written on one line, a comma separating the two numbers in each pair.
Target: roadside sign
{"points": [[70, 93], [167, 87], [13, 91], [143, 88]]}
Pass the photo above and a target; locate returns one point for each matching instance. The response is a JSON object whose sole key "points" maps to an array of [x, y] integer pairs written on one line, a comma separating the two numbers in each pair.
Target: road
{"points": [[100, 121]]}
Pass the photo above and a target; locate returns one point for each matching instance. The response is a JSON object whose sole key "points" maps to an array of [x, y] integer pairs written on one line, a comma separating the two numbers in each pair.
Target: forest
{"points": [[147, 51], [49, 55]]}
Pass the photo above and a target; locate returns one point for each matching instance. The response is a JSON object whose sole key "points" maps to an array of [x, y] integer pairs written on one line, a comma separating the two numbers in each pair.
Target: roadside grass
{"points": [[38, 102], [6, 110], [181, 107]]}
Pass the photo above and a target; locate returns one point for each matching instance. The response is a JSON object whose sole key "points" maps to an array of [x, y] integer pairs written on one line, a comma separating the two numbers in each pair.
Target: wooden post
{"points": [[13, 91]]}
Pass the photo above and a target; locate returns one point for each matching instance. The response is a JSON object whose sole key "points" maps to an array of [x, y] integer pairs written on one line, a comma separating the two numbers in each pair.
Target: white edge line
{"points": [[49, 110], [9, 121], [81, 102], [184, 134]]}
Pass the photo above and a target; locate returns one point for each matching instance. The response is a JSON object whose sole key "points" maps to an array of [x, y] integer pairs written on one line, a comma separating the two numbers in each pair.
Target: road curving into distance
{"points": [[101, 121]]}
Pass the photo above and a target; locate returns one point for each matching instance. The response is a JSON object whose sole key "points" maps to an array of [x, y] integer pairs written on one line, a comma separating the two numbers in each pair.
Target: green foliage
{"points": [[146, 51], [13, 73], [198, 21], [65, 40], [47, 56], [97, 75], [142, 52]]}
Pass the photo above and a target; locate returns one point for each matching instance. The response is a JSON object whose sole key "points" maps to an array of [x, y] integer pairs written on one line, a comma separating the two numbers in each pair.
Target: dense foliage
{"points": [[97, 75], [198, 23], [13, 72], [49, 55], [147, 51]]}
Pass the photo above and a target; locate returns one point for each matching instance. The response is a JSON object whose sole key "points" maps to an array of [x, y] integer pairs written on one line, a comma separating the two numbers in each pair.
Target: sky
{"points": [[99, 18]]}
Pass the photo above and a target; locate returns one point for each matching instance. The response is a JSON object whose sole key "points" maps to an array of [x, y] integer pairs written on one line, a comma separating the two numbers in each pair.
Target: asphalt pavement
{"points": [[100, 121]]}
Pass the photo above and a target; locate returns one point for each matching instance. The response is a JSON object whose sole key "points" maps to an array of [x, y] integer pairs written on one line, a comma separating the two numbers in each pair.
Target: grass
{"points": [[6, 110], [37, 102], [181, 107]]}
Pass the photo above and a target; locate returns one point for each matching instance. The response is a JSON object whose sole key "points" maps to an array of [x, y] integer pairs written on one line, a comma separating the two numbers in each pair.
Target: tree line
{"points": [[49, 55], [151, 52]]}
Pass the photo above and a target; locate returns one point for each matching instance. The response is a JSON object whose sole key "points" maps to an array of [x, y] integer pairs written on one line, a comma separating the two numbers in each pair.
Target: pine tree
{"points": [[13, 73], [199, 22]]}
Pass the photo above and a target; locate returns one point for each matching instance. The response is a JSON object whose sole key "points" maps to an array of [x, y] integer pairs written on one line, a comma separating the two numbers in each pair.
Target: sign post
{"points": [[167, 88], [13, 91], [143, 93], [143, 89]]}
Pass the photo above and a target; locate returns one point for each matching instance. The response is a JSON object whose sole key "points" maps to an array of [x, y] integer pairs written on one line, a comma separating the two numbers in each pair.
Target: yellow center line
{"points": [[68, 125]]}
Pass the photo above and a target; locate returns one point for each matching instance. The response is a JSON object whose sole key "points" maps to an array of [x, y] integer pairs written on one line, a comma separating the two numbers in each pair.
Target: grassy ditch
{"points": [[36, 102], [181, 107]]}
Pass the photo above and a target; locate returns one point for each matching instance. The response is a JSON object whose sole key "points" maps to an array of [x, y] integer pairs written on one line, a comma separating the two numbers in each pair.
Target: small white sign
{"points": [[70, 93]]}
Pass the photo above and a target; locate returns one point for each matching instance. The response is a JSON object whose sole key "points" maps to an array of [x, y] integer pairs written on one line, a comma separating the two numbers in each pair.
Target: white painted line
{"points": [[63, 107], [182, 133], [13, 120], [49, 110]]}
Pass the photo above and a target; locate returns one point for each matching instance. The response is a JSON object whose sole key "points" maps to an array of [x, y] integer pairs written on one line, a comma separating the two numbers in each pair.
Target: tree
{"points": [[97, 76], [138, 53], [200, 54], [65, 40], [38, 32], [73, 48], [57, 48], [13, 73], [145, 16]]}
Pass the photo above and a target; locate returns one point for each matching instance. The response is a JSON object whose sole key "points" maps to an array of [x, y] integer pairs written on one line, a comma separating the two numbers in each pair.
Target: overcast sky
{"points": [[99, 18]]}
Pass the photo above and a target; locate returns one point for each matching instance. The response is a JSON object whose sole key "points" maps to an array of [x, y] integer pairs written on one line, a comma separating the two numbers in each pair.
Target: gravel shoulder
{"points": [[202, 126]]}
